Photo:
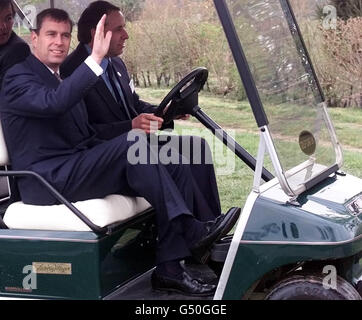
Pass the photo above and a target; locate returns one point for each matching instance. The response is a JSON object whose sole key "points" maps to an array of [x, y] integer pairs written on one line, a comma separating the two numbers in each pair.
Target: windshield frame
{"points": [[257, 104]]}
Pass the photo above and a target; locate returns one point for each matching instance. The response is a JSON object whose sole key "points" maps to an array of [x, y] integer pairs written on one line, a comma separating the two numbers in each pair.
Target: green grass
{"points": [[237, 116]]}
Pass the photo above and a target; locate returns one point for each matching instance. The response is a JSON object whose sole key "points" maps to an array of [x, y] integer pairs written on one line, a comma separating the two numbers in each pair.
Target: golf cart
{"points": [[303, 221]]}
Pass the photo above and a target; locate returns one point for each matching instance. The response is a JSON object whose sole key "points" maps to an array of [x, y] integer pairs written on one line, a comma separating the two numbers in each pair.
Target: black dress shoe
{"points": [[214, 231], [201, 272], [186, 285]]}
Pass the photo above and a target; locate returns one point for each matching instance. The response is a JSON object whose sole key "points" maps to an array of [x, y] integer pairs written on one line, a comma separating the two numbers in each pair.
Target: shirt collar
{"points": [[52, 71]]}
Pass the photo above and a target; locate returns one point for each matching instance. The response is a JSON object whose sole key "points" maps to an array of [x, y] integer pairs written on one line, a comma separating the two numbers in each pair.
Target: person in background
{"points": [[12, 48], [12, 51]]}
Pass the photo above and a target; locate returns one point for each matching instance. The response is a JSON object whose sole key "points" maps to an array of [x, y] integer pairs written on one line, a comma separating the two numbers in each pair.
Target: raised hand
{"points": [[101, 42]]}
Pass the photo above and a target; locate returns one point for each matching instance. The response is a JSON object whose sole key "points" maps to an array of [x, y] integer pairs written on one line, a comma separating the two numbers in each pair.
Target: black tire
{"points": [[310, 287]]}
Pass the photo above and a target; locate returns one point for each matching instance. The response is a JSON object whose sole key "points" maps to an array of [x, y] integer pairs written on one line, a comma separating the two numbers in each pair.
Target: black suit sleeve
{"points": [[12, 55], [107, 131], [25, 94]]}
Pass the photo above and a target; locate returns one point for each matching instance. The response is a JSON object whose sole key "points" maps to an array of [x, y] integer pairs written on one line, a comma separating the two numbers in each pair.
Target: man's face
{"points": [[6, 24], [115, 22], [51, 44]]}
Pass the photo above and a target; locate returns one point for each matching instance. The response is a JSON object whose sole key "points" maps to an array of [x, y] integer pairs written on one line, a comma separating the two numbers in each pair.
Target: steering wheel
{"points": [[183, 97]]}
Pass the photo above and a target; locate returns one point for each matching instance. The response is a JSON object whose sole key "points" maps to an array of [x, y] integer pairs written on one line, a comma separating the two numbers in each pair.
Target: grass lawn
{"points": [[234, 178]]}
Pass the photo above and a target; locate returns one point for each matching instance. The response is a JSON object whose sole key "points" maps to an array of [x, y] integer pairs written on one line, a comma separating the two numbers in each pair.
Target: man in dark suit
{"points": [[12, 51], [12, 48], [115, 108], [105, 109], [46, 130]]}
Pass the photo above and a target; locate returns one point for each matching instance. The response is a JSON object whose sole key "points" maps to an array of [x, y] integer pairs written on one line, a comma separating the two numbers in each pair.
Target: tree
{"points": [[130, 8], [348, 8]]}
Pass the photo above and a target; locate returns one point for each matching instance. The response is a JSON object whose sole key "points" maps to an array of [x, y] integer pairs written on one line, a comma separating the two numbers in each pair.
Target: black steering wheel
{"points": [[183, 97]]}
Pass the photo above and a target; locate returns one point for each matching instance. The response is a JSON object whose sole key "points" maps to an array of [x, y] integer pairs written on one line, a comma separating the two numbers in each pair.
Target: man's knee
{"points": [[140, 151]]}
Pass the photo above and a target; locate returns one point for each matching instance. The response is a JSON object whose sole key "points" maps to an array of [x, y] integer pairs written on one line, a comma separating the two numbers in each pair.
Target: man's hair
{"points": [[5, 3], [90, 18], [55, 14]]}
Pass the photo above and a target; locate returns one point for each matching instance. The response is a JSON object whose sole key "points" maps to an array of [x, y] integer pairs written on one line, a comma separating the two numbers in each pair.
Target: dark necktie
{"points": [[56, 74], [112, 78]]}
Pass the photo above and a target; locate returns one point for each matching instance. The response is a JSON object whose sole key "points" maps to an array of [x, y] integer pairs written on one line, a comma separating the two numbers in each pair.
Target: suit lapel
{"points": [[128, 95], [40, 69], [108, 98], [103, 91]]}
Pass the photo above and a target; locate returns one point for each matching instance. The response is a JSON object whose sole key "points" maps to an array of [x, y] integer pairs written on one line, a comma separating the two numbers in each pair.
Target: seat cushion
{"points": [[102, 212]]}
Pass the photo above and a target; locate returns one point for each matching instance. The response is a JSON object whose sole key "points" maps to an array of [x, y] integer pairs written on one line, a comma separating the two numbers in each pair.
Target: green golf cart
{"points": [[299, 235]]}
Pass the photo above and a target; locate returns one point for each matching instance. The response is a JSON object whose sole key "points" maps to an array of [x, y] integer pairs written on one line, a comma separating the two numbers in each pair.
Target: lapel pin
{"points": [[119, 74]]}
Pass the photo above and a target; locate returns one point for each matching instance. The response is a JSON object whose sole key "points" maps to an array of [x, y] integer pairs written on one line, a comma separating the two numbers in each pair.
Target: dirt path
{"points": [[238, 130]]}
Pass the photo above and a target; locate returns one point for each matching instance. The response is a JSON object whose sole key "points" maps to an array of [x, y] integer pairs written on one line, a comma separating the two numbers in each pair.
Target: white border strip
{"points": [[234, 246]]}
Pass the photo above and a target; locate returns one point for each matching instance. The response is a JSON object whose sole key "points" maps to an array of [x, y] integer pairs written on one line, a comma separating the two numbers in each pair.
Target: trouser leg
{"points": [[208, 205], [107, 169], [197, 155]]}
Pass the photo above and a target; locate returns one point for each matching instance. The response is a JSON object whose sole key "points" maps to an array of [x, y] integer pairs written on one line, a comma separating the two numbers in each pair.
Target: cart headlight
{"points": [[354, 206]]}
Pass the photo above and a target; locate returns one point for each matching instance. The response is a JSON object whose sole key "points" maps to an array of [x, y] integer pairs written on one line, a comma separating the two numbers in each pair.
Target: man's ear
{"points": [[93, 32], [34, 38]]}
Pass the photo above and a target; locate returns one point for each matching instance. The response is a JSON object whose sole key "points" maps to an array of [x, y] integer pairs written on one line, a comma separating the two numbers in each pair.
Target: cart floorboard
{"points": [[140, 287]]}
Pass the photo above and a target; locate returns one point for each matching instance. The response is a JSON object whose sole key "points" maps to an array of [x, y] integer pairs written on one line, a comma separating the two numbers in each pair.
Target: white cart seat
{"points": [[102, 212]]}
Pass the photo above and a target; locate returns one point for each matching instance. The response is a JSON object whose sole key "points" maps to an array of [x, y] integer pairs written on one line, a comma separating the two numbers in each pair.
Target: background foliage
{"points": [[168, 38]]}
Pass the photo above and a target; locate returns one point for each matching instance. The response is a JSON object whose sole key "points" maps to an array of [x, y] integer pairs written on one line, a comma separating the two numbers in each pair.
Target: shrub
{"points": [[342, 67]]}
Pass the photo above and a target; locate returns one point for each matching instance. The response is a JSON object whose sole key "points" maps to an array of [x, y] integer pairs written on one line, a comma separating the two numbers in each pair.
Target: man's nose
{"points": [[125, 35], [59, 40]]}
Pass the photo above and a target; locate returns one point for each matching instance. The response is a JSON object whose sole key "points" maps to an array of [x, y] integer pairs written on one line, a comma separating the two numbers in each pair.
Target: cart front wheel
{"points": [[312, 287]]}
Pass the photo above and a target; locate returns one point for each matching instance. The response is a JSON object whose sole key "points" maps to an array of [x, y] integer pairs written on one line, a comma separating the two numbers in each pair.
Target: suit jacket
{"points": [[44, 123], [106, 115], [13, 52]]}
